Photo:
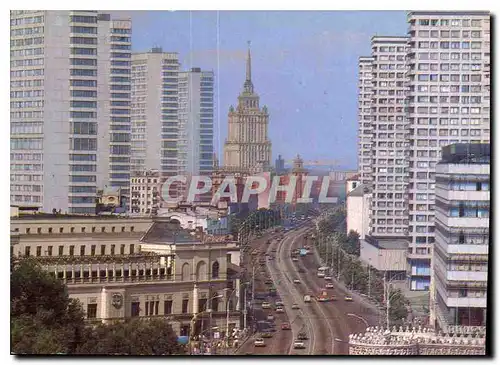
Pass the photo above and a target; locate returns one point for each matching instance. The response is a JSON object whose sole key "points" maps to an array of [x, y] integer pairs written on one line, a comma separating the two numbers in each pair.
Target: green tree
{"points": [[398, 309], [352, 245], [44, 320], [134, 337]]}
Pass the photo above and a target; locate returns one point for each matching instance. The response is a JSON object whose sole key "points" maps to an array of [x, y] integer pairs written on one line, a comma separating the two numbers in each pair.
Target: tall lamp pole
{"points": [[203, 311], [388, 295], [227, 320]]}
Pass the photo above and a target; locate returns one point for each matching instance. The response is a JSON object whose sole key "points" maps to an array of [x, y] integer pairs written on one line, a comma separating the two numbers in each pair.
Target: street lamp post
{"points": [[227, 320], [369, 278], [203, 311], [388, 296]]}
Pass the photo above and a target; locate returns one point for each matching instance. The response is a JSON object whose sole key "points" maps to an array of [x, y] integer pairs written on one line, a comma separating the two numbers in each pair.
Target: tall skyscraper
{"points": [[365, 132], [196, 122], [447, 85], [70, 108], [448, 102], [247, 144], [155, 107], [389, 166]]}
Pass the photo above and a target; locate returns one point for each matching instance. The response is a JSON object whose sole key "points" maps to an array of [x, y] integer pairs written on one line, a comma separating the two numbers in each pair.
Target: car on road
{"points": [[270, 257], [266, 305], [297, 344], [328, 278], [295, 306], [348, 298], [259, 342], [270, 317], [280, 310], [295, 259], [261, 296], [278, 303], [296, 281], [285, 326], [274, 250], [333, 298], [266, 335], [269, 282], [302, 336], [329, 286]]}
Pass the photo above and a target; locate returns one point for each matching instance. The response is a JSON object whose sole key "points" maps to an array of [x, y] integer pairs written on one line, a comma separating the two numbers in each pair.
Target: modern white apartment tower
{"points": [[365, 132], [460, 259], [70, 108], [155, 104], [196, 122], [448, 102], [389, 126]]}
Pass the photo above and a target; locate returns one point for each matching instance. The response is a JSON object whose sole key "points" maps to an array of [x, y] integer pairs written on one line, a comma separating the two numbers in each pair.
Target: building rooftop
{"points": [[466, 153], [448, 13], [168, 233], [389, 39], [46, 216], [360, 190], [388, 243]]}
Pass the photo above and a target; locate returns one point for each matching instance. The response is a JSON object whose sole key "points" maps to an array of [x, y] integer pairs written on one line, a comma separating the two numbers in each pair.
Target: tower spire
{"points": [[248, 86], [249, 64]]}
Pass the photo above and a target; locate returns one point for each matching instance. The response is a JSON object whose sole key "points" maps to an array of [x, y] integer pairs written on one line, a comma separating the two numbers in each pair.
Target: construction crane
{"points": [[331, 164]]}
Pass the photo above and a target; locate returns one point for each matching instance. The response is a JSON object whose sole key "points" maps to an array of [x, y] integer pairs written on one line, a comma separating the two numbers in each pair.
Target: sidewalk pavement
{"points": [[241, 341]]}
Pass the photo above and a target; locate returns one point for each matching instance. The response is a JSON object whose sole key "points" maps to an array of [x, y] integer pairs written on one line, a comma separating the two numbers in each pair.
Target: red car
{"points": [[286, 326]]}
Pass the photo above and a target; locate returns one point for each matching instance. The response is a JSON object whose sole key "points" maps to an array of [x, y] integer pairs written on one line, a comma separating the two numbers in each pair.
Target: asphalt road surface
{"points": [[343, 317], [327, 325], [281, 340], [310, 317]]}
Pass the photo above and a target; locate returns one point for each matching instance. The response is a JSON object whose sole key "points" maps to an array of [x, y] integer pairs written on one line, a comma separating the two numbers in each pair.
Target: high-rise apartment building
{"points": [[445, 88], [448, 102], [70, 108], [365, 133], [460, 259], [196, 122], [389, 129], [155, 104], [172, 117]]}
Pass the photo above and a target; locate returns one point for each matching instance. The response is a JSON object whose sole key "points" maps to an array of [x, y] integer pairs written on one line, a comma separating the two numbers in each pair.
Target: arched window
{"points": [[215, 270], [185, 275], [201, 271]]}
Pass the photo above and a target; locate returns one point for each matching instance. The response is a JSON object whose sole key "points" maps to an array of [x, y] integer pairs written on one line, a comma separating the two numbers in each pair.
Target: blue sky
{"points": [[304, 67]]}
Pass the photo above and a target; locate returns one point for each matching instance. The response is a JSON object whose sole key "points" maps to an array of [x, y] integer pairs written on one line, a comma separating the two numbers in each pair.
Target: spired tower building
{"points": [[247, 146]]}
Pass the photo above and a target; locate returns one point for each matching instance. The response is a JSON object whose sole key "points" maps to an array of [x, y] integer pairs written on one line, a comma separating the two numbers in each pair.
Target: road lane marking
{"points": [[294, 293]]}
